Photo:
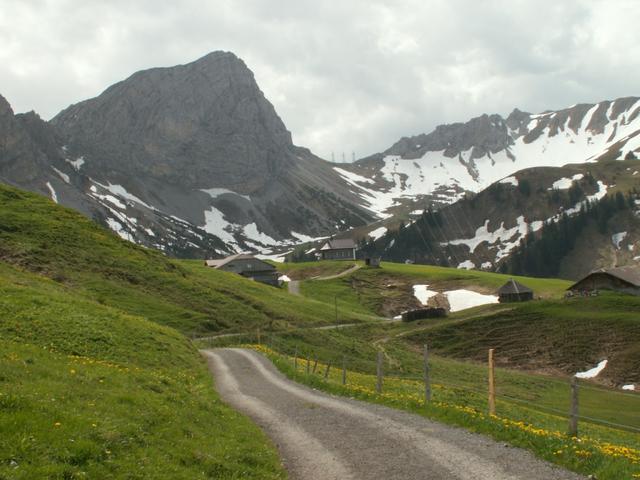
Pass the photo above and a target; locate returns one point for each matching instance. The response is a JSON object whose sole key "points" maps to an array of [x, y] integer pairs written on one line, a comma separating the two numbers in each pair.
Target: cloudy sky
{"points": [[345, 76]]}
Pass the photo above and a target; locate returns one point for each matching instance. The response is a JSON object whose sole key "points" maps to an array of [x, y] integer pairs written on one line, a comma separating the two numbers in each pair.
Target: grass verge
{"points": [[616, 458]]}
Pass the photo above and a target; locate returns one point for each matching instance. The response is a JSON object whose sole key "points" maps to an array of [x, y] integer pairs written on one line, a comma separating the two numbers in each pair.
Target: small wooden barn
{"points": [[420, 313], [373, 262], [342, 249], [513, 291], [619, 279], [248, 266]]}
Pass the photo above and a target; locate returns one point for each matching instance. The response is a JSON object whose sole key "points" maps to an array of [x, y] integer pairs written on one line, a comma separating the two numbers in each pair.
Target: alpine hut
{"points": [[513, 291], [620, 279], [343, 249]]}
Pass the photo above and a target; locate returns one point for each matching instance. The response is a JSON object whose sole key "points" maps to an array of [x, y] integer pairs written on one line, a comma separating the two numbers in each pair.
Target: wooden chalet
{"points": [[343, 249], [248, 266], [513, 291], [619, 279]]}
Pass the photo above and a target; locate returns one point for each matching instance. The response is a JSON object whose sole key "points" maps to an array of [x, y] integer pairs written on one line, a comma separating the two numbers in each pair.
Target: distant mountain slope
{"points": [[200, 143], [192, 160], [440, 167], [484, 230]]}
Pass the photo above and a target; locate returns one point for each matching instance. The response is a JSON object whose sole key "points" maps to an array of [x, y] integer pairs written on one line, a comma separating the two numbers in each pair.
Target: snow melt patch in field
{"points": [[378, 232], [617, 239], [467, 265], [423, 294], [284, 278], [54, 197], [463, 299], [631, 387], [593, 372]]}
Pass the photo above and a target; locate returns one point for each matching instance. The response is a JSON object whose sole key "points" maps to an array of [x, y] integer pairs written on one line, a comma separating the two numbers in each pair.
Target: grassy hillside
{"points": [[556, 336], [87, 391], [389, 290], [56, 242]]}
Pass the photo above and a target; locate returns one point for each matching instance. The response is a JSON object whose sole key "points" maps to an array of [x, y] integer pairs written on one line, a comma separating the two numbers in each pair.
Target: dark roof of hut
{"points": [[337, 244], [512, 287], [630, 275]]}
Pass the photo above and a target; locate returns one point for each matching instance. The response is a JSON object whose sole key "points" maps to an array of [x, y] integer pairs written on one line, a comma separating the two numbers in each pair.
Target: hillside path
{"points": [[348, 271], [323, 437]]}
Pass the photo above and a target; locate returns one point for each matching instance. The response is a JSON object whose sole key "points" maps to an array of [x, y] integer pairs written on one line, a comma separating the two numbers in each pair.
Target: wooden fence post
{"points": [[344, 369], [573, 416], [379, 373], [492, 385], [326, 372], [295, 359], [427, 380], [308, 364], [315, 366]]}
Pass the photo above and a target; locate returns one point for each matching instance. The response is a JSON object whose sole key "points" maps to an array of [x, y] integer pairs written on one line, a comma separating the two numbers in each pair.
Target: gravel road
{"points": [[325, 437]]}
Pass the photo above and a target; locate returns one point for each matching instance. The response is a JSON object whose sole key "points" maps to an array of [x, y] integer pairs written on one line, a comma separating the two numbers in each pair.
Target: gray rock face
{"points": [[190, 159], [485, 134], [198, 125]]}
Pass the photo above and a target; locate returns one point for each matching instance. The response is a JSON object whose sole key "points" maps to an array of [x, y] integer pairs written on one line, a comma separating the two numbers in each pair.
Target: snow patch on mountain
{"points": [[251, 231], [565, 183], [62, 175], [77, 163], [54, 196], [215, 224], [216, 192], [617, 239], [510, 180], [503, 239], [378, 232], [447, 173], [466, 265]]}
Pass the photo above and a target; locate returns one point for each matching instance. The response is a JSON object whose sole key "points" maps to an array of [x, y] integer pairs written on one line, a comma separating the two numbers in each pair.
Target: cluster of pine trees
{"points": [[539, 254]]}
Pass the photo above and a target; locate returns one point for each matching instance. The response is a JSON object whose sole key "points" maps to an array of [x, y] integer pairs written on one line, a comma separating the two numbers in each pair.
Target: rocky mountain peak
{"points": [[5, 108], [200, 125]]}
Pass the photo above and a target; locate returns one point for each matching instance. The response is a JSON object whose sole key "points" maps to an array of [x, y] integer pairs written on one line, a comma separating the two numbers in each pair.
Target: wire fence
{"points": [[480, 385]]}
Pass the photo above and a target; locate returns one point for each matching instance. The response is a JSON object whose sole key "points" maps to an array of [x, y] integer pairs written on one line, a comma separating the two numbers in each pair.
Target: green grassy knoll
{"points": [[59, 243], [388, 290], [558, 336], [87, 391]]}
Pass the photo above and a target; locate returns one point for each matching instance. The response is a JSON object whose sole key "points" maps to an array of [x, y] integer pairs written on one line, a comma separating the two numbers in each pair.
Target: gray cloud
{"points": [[344, 76]]}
